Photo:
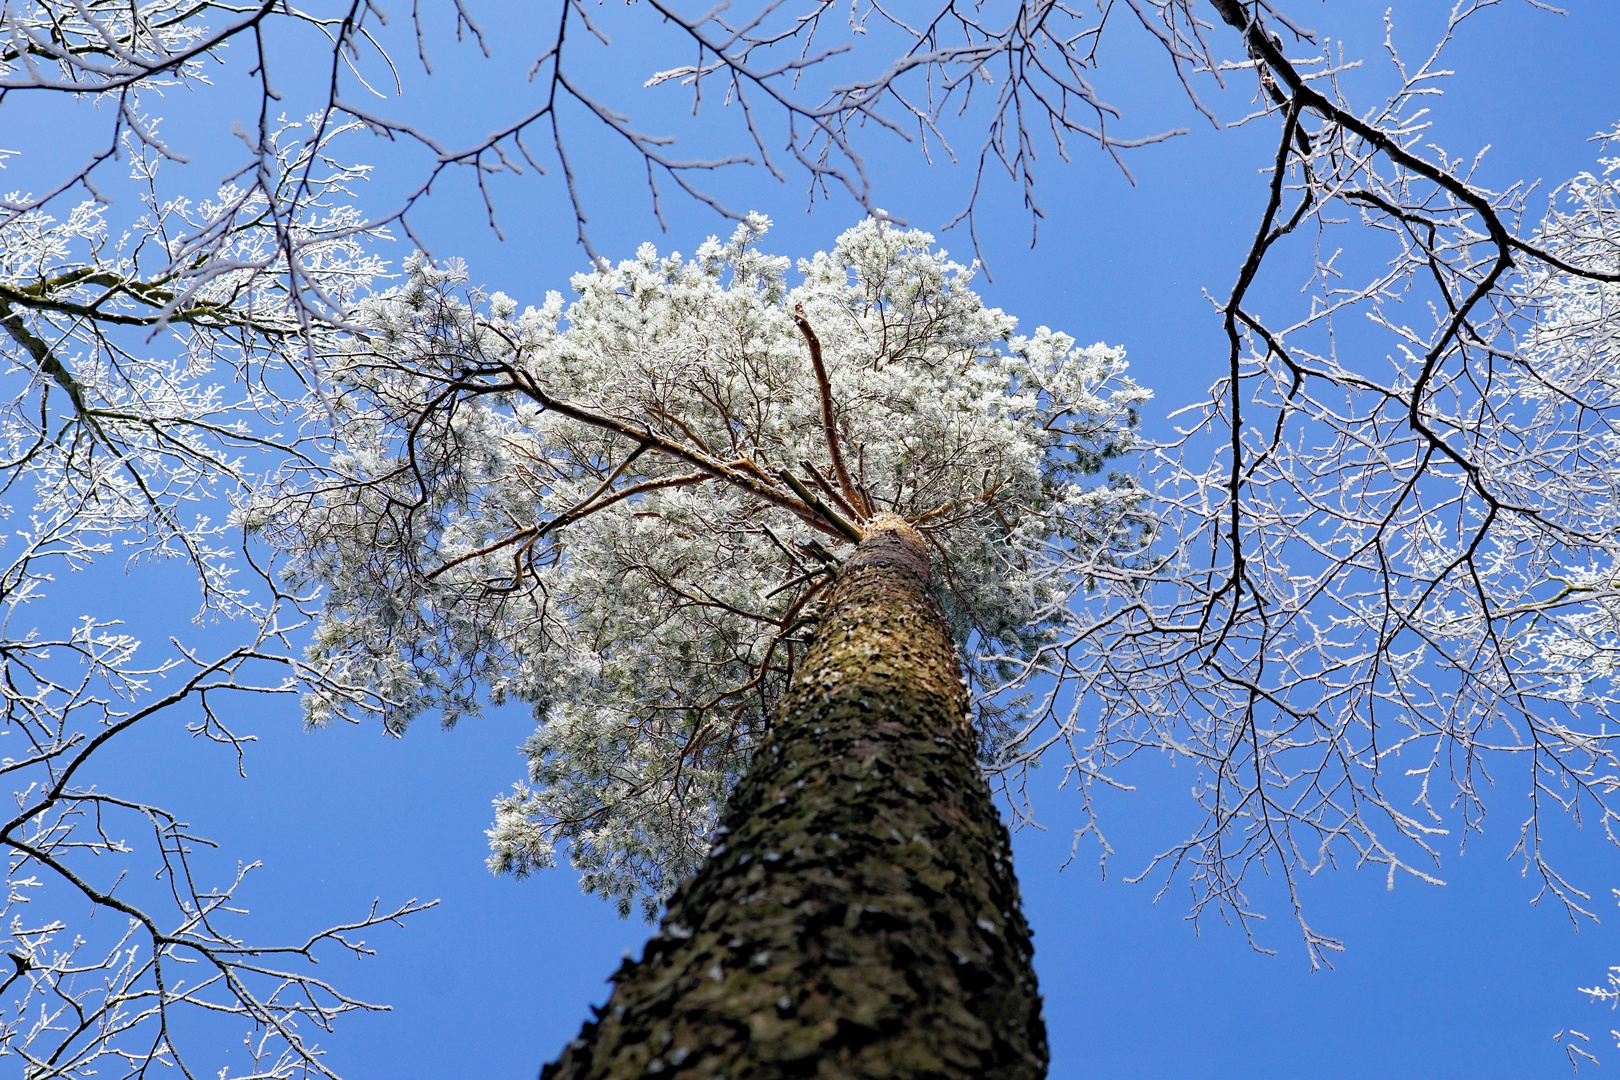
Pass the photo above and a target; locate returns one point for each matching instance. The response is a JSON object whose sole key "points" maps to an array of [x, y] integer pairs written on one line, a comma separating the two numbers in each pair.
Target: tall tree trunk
{"points": [[858, 916]]}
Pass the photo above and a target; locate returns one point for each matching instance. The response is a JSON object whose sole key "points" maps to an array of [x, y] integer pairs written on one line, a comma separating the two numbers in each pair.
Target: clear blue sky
{"points": [[1465, 980]]}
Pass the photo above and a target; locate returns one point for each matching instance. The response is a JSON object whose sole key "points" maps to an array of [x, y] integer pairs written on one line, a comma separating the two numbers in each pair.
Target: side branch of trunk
{"points": [[858, 915], [829, 422], [742, 474]]}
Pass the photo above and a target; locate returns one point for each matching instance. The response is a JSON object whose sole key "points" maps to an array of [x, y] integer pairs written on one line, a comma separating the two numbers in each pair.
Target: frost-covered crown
{"points": [[624, 511]]}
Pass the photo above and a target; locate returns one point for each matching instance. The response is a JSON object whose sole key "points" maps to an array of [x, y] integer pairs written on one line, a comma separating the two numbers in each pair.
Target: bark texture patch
{"points": [[858, 915]]}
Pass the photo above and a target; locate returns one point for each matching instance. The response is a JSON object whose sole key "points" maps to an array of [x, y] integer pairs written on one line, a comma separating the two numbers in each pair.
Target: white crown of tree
{"points": [[624, 511]]}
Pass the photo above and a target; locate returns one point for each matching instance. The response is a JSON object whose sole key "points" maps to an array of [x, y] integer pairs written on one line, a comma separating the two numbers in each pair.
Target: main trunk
{"points": [[858, 916]]}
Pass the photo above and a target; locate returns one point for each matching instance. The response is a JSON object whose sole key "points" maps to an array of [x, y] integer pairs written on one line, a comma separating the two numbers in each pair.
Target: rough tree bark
{"points": [[858, 915]]}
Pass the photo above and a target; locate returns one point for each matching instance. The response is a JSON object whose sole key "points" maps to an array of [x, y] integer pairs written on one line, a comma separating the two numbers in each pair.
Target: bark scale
{"points": [[858, 916]]}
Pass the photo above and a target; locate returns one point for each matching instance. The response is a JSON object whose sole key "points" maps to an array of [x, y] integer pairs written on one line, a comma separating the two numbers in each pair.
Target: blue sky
{"points": [[1465, 980]]}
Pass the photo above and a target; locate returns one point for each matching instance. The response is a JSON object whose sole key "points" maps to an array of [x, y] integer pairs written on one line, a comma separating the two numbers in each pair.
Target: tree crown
{"points": [[624, 511]]}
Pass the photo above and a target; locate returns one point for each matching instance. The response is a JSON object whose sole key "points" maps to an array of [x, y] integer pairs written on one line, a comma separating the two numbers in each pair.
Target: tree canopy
{"points": [[625, 511]]}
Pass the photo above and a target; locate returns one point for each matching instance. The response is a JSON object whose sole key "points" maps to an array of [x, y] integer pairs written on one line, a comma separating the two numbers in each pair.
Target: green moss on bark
{"points": [[858, 915]]}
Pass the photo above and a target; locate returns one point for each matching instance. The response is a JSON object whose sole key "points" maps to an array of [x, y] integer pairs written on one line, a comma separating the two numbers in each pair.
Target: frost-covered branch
{"points": [[86, 996], [150, 375], [810, 87], [1390, 589]]}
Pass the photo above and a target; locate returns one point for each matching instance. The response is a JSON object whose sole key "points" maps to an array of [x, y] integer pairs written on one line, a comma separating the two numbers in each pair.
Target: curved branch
{"points": [[829, 423]]}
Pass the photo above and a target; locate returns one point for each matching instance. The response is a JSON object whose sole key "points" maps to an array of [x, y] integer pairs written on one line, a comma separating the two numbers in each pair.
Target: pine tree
{"points": [[747, 549]]}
